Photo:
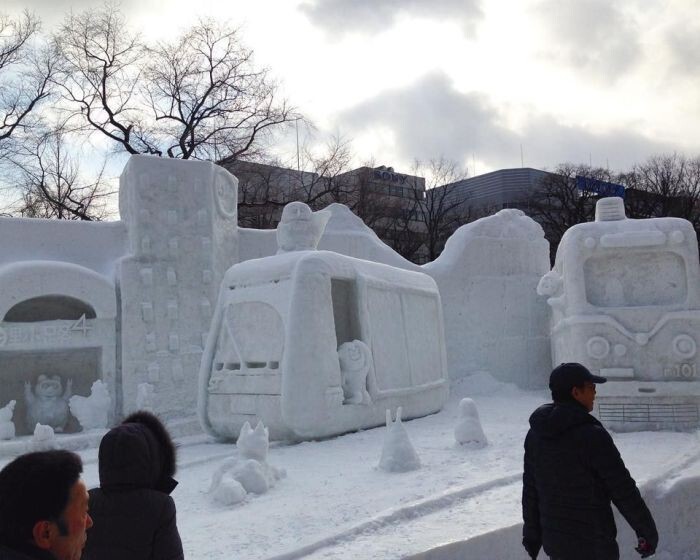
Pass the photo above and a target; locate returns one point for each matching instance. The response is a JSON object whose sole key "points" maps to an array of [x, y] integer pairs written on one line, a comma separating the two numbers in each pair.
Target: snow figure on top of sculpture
{"points": [[625, 302], [315, 343]]}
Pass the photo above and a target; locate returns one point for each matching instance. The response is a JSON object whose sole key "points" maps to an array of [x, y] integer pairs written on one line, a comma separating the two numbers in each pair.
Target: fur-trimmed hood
{"points": [[138, 453]]}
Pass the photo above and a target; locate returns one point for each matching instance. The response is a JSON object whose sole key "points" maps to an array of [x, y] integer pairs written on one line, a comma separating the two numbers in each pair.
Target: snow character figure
{"points": [[46, 404], [468, 430], [247, 473], [300, 229], [92, 412], [398, 454], [355, 362], [7, 427], [253, 444]]}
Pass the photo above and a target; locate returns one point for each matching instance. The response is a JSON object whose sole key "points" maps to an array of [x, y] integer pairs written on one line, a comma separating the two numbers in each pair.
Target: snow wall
{"points": [[494, 320], [674, 509]]}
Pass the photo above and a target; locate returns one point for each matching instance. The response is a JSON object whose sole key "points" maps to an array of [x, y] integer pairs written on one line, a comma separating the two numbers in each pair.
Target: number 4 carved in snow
{"points": [[81, 325]]}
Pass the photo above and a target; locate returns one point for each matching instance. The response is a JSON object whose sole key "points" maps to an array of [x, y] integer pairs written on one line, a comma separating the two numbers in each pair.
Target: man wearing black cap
{"points": [[572, 472]]}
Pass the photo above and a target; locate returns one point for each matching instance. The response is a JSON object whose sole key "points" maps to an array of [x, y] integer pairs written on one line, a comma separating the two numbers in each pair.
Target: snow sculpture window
{"points": [[614, 280]]}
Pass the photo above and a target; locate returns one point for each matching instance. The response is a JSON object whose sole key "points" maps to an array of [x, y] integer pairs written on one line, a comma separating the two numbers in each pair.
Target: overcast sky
{"points": [[605, 81]]}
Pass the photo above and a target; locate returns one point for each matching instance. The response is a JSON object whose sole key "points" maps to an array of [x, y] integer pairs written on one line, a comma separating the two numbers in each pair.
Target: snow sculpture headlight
{"points": [[685, 346], [598, 347]]}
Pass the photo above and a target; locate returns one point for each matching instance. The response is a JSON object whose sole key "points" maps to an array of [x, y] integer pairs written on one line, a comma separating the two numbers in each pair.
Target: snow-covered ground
{"points": [[462, 502]]}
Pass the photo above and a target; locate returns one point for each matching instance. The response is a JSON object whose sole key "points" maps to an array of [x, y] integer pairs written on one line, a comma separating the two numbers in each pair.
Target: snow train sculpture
{"points": [[315, 343], [625, 300]]}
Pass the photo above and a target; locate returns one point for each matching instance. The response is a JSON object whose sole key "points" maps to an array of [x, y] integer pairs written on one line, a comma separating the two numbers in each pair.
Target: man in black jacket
{"points": [[43, 507], [572, 472]]}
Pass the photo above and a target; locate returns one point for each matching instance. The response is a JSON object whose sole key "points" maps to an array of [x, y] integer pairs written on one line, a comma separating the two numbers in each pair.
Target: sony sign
{"points": [[389, 176]]}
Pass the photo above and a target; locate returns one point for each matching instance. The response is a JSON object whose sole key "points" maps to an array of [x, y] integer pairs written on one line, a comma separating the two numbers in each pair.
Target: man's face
{"points": [[77, 521], [585, 395]]}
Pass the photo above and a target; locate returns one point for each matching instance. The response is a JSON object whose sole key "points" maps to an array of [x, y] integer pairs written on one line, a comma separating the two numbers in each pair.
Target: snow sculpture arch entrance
{"points": [[59, 322]]}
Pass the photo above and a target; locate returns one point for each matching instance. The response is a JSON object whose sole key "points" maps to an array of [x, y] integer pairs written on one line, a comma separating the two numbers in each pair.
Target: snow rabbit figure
{"points": [[355, 362]]}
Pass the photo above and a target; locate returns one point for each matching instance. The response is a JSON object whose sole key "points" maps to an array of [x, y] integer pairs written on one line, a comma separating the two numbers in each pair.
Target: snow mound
{"points": [[468, 430]]}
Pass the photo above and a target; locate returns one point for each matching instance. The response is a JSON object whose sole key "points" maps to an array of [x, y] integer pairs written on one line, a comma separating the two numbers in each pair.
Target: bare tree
{"points": [[51, 185], [664, 185], [26, 71], [444, 208], [320, 178], [557, 204], [199, 97]]}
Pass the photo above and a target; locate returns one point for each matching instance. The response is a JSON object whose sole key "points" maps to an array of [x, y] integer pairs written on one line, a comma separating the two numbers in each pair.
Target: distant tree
{"points": [[265, 187], [444, 209], [198, 97], [50, 184], [664, 185]]}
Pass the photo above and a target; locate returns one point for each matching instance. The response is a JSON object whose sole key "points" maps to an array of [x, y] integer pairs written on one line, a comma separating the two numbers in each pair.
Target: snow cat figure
{"points": [[625, 301], [273, 348]]}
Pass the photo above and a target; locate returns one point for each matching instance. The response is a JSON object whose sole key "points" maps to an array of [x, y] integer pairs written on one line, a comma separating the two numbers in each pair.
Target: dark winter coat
{"points": [[132, 511], [24, 552], [572, 472]]}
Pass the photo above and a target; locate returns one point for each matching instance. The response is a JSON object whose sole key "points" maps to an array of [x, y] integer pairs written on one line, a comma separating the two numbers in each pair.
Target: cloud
{"points": [[430, 119], [596, 36], [373, 16], [683, 41]]}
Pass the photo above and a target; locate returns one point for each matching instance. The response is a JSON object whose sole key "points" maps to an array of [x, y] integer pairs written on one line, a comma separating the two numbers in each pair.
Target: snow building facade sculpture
{"points": [[625, 301], [273, 348], [126, 303]]}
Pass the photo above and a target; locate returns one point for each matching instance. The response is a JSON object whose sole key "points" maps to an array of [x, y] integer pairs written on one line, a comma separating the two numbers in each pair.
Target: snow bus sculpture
{"points": [[625, 301], [315, 343]]}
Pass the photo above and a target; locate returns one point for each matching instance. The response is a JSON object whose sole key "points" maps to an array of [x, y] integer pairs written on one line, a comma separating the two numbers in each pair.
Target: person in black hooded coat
{"points": [[132, 511], [572, 473]]}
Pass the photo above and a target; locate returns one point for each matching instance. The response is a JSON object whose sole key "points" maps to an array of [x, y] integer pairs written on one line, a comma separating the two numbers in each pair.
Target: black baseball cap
{"points": [[565, 377]]}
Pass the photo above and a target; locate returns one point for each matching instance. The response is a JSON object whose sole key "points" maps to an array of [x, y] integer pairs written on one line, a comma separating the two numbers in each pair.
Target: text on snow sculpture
{"points": [[275, 348], [625, 301]]}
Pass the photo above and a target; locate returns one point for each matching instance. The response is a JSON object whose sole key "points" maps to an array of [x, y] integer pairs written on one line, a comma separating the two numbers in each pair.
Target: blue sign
{"points": [[602, 188]]}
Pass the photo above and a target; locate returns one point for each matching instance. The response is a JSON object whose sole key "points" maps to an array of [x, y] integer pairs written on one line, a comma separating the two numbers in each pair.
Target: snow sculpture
{"points": [[398, 454], [272, 350], [92, 412], [48, 402], [253, 444], [625, 301], [300, 229], [44, 438], [145, 397], [7, 426], [468, 430], [494, 320], [355, 362], [247, 474]]}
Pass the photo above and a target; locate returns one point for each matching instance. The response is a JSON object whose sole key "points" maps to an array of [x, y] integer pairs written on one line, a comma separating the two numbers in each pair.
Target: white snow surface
{"points": [[462, 503]]}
